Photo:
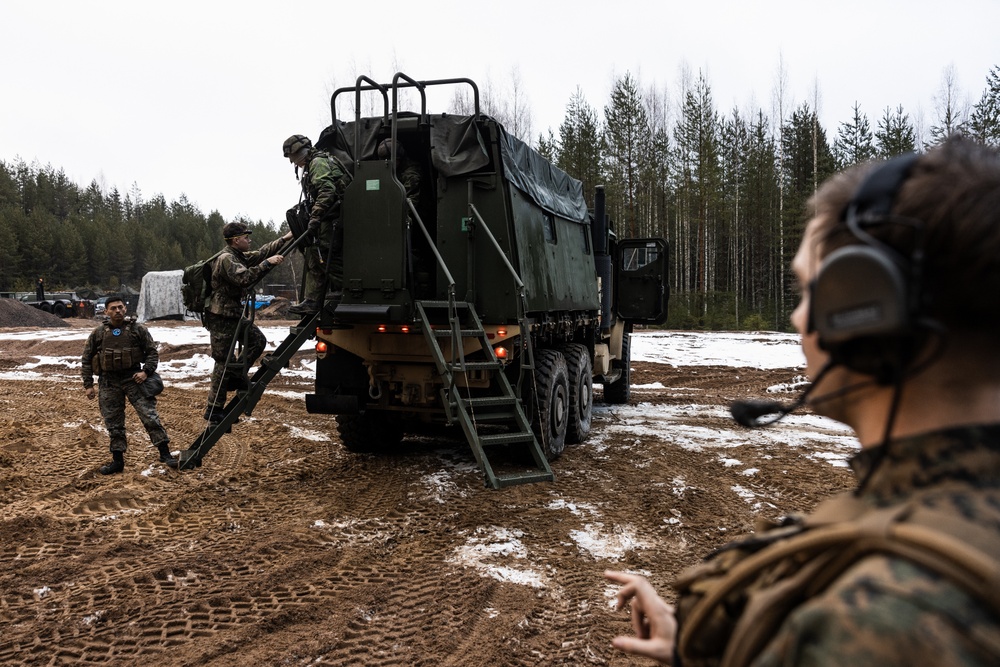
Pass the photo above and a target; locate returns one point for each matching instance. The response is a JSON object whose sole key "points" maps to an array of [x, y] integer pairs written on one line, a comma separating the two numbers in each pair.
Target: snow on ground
{"points": [[820, 438]]}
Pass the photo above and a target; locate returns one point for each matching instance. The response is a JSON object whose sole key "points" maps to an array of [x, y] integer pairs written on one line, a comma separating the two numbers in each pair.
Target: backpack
{"points": [[196, 284]]}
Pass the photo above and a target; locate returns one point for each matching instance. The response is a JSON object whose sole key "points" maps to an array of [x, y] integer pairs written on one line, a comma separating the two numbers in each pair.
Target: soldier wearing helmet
{"points": [[324, 180]]}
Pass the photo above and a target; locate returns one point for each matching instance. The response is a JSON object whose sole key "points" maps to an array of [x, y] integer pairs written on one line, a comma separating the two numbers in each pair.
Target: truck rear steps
{"points": [[482, 414], [246, 398]]}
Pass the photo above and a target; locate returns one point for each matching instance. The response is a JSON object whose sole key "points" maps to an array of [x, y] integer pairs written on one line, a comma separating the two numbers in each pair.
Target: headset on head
{"points": [[865, 300]]}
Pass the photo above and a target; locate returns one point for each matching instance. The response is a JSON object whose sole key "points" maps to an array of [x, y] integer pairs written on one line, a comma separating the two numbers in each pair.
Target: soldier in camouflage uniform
{"points": [[406, 171], [904, 570], [123, 355], [324, 180], [233, 274]]}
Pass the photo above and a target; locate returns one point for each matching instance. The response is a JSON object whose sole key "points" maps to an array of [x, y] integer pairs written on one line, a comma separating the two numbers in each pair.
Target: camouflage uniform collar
{"points": [[968, 454]]}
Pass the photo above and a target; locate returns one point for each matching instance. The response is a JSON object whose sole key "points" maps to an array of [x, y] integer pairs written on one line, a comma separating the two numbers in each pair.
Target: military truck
{"points": [[490, 297]]}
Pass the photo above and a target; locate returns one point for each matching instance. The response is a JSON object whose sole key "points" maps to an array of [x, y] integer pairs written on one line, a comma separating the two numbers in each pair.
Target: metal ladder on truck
{"points": [[247, 397], [493, 417], [249, 394]]}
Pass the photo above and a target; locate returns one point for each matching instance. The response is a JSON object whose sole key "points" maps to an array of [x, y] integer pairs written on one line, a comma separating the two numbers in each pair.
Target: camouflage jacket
{"points": [[409, 176], [141, 338], [323, 185], [233, 274], [886, 610]]}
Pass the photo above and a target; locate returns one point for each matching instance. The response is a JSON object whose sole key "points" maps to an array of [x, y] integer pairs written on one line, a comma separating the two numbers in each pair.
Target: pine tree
{"points": [[579, 143], [854, 143], [626, 138], [895, 134], [984, 121]]}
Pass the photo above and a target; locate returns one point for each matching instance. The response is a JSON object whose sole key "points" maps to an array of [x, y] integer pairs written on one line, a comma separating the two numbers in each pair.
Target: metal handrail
{"points": [[522, 303]]}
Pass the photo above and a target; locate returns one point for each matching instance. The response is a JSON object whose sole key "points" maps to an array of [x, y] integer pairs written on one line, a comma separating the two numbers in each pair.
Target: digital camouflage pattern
{"points": [[232, 275], [117, 385], [221, 331], [886, 610], [323, 184]]}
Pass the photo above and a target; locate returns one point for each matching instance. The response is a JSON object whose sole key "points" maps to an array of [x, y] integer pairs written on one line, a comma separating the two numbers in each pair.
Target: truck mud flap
{"points": [[332, 404]]}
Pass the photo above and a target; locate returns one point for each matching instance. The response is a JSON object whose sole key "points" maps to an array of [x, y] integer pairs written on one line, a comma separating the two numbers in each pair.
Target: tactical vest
{"points": [[730, 606], [121, 351], [345, 178]]}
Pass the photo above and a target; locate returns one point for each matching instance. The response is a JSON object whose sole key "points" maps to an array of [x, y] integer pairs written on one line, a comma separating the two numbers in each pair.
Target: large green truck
{"points": [[494, 303], [487, 298]]}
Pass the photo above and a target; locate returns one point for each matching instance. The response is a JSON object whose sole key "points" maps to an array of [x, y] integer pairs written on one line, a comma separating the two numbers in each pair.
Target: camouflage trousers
{"points": [[113, 389], [248, 349], [316, 265]]}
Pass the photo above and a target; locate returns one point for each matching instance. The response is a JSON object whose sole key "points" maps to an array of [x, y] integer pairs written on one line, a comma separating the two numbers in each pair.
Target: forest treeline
{"points": [[728, 189]]}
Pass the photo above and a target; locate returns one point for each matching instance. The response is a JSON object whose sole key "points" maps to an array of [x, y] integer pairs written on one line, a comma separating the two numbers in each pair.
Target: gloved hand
{"points": [[312, 231]]}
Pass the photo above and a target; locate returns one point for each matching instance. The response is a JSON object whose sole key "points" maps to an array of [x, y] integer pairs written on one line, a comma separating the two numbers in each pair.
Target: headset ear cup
{"points": [[858, 306]]}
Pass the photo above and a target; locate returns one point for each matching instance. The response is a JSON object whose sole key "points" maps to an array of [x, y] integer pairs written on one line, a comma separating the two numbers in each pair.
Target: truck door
{"points": [[641, 287]]}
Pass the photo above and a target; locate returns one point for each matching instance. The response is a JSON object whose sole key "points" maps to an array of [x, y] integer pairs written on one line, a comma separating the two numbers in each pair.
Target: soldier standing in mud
{"points": [[900, 325], [324, 180], [233, 273], [123, 354]]}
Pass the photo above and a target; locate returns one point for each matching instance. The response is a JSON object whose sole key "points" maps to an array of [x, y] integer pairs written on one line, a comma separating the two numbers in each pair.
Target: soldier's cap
{"points": [[234, 229]]}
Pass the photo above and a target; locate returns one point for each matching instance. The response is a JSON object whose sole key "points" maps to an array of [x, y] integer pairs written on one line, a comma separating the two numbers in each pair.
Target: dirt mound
{"points": [[16, 314]]}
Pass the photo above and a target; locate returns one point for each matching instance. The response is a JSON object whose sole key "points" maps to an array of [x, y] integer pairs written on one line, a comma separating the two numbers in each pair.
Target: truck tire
{"points": [[59, 309], [581, 392], [619, 391], [46, 306], [369, 432], [550, 402]]}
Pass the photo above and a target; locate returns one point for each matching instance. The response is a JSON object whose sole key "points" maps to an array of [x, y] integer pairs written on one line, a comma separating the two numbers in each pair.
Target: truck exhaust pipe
{"points": [[599, 233]]}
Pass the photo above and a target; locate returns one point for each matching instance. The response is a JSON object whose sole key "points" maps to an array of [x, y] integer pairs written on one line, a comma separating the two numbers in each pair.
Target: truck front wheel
{"points": [[369, 432], [550, 402], [581, 392]]}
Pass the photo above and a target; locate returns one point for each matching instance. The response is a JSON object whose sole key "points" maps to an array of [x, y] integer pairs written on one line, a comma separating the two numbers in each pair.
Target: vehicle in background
{"points": [[60, 304]]}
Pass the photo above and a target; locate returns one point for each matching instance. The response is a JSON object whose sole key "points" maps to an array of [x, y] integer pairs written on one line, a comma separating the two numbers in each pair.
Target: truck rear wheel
{"points": [[581, 392], [369, 432], [59, 309], [619, 391], [550, 404]]}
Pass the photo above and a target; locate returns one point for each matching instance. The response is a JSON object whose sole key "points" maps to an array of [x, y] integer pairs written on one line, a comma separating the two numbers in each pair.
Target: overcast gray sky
{"points": [[195, 98]]}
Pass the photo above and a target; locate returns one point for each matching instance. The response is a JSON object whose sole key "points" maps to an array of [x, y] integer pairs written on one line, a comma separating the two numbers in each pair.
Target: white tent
{"points": [[160, 295]]}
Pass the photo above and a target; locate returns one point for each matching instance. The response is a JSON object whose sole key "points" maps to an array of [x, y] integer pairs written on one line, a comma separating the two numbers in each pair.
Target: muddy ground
{"points": [[285, 549]]}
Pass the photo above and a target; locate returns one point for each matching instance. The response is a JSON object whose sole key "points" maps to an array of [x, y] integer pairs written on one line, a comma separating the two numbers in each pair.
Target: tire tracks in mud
{"points": [[285, 548]]}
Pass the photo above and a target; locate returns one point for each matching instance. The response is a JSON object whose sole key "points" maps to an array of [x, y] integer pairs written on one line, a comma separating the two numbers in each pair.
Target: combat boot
{"points": [[165, 456], [307, 307], [116, 465]]}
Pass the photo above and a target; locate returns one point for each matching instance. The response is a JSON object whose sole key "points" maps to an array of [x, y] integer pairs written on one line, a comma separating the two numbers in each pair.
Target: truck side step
{"points": [[496, 407]]}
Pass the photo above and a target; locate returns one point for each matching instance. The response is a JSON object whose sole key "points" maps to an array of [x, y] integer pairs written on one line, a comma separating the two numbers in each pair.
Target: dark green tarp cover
{"points": [[457, 148]]}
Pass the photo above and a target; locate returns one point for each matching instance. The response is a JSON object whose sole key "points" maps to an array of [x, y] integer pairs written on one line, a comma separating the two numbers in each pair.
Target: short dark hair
{"points": [[111, 298], [954, 191]]}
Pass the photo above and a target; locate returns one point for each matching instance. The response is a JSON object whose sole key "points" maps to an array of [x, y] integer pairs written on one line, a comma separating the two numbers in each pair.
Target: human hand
{"points": [[652, 619], [288, 236], [91, 392], [139, 377], [274, 260]]}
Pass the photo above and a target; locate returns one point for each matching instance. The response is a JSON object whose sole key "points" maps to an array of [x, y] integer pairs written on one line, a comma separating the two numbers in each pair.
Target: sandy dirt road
{"points": [[286, 549]]}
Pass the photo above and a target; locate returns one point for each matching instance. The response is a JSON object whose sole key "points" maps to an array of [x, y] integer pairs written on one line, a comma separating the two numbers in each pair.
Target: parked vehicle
{"points": [[60, 304], [493, 304]]}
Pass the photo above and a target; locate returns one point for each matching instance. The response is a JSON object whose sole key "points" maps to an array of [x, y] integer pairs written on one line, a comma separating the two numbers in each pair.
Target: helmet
{"points": [[295, 143], [233, 229], [384, 150]]}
